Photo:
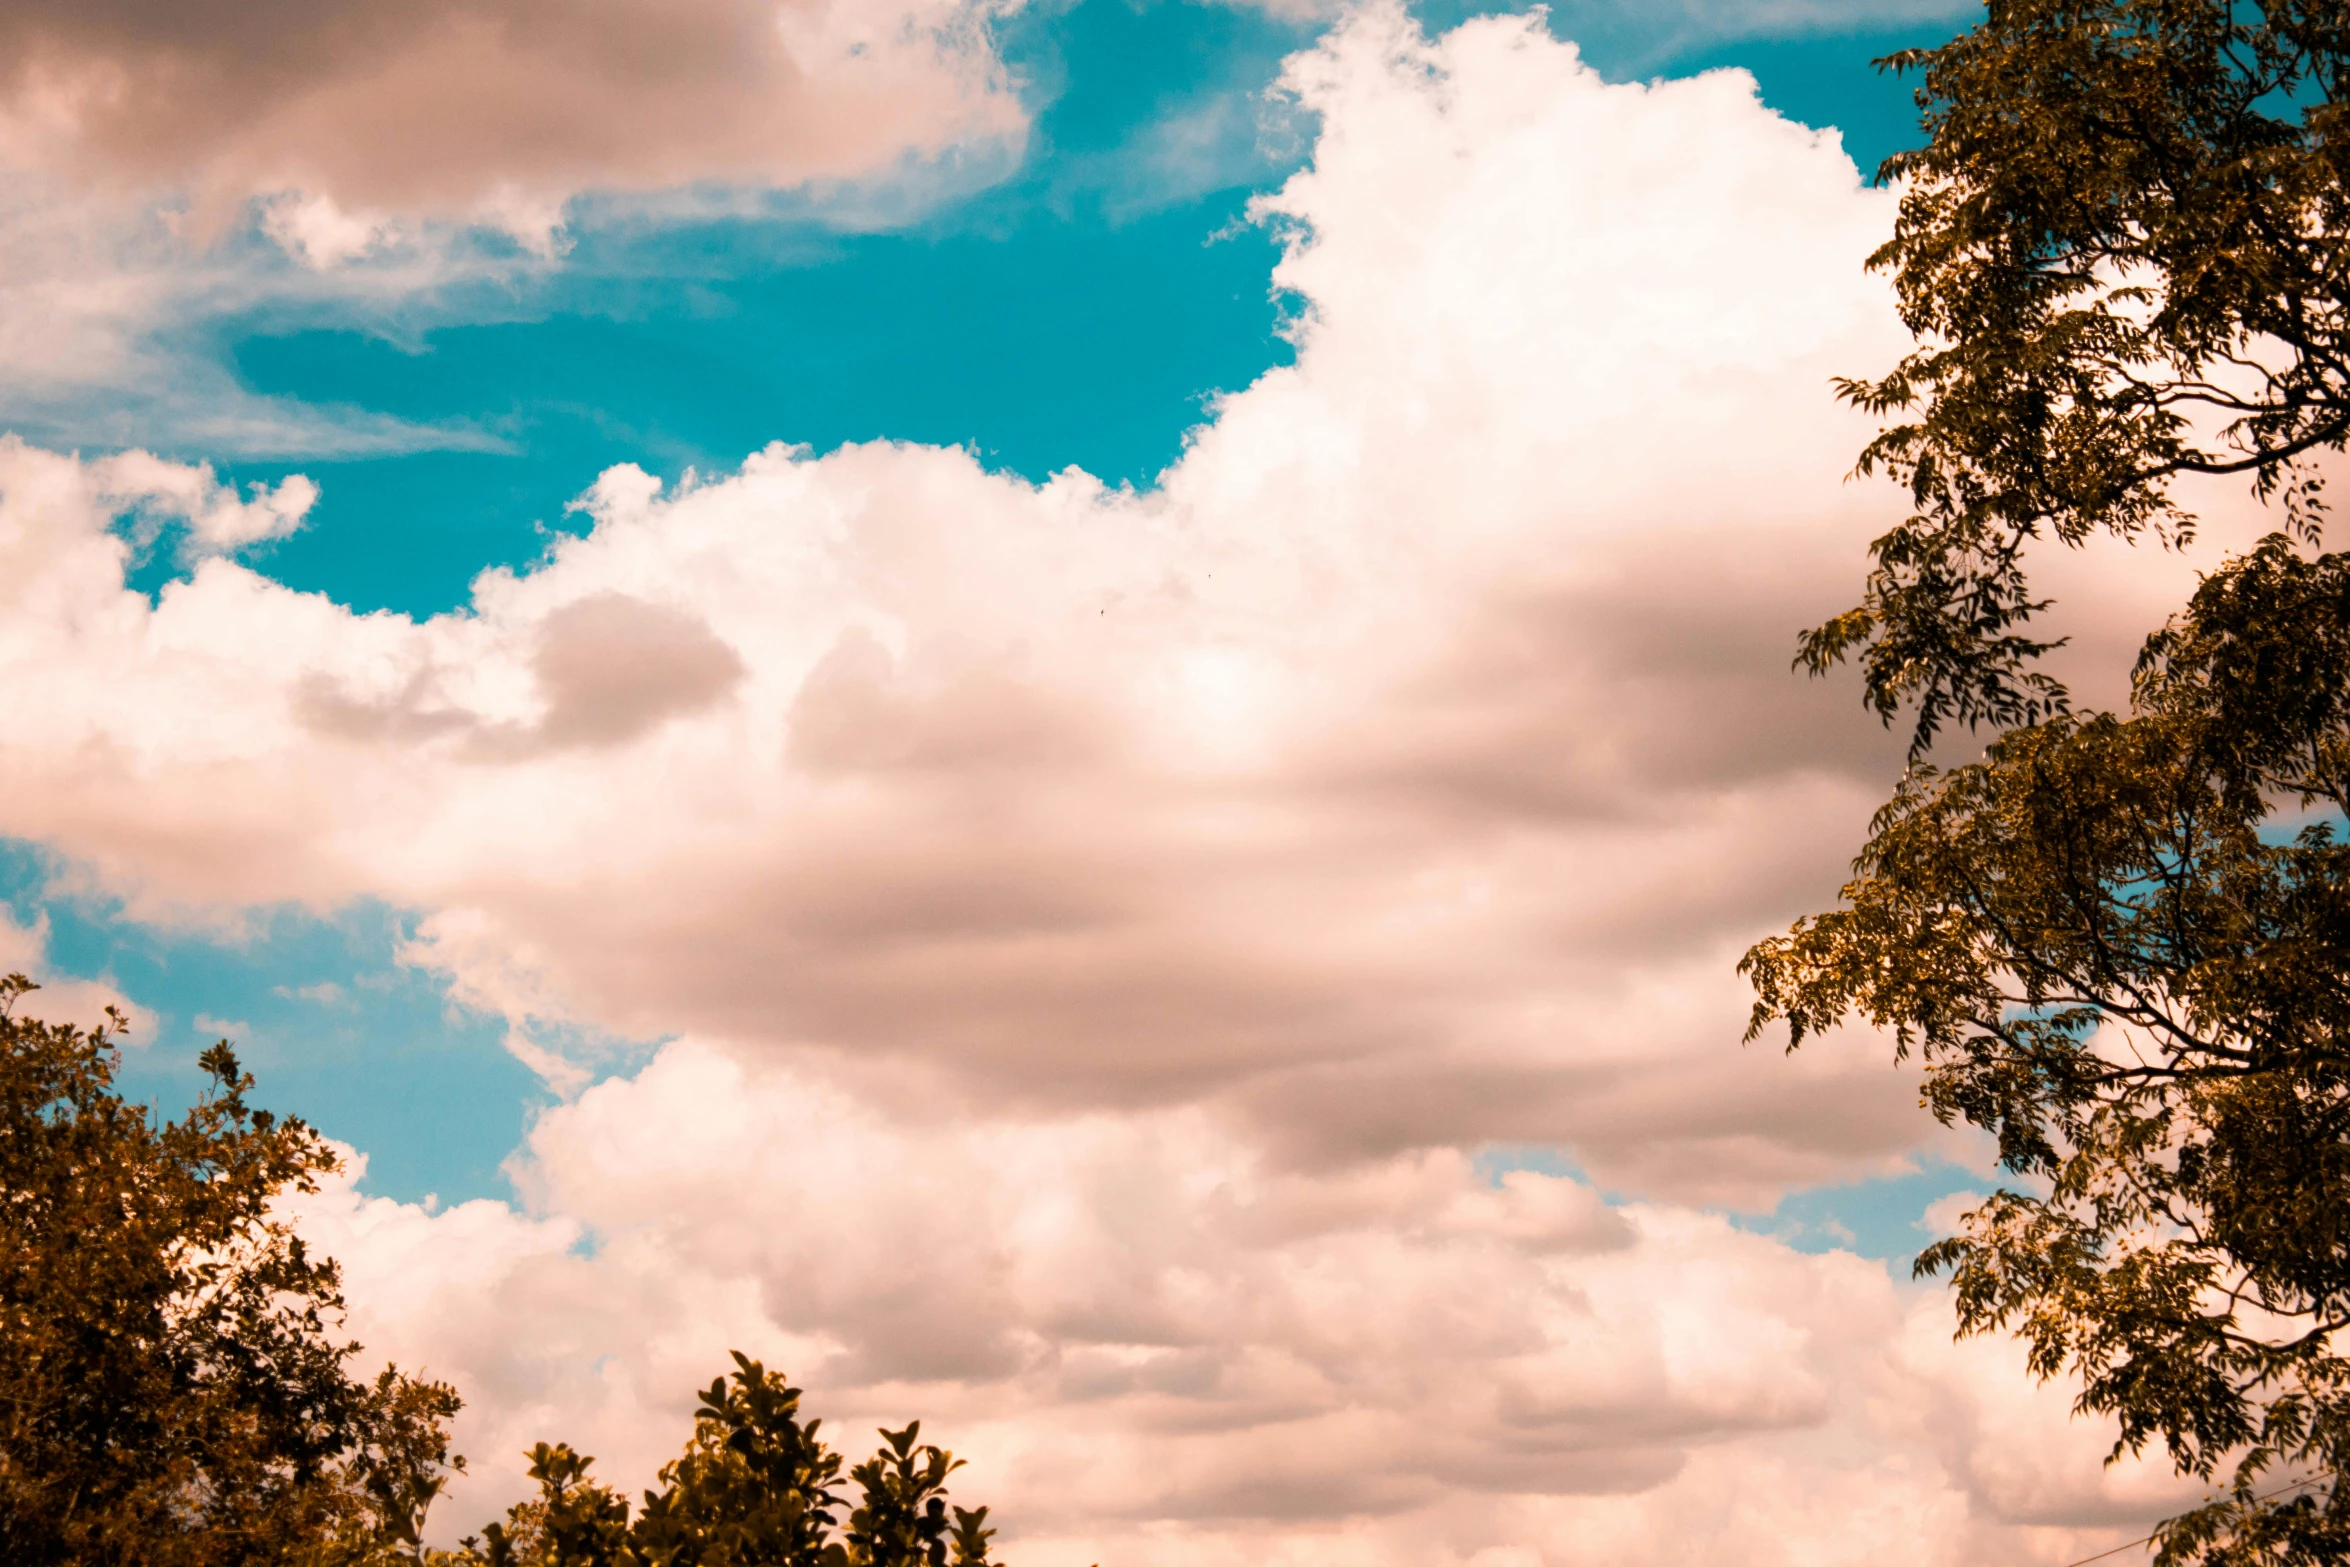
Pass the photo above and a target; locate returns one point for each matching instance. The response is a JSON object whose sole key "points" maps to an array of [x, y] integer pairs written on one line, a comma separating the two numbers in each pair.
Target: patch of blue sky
{"points": [[1830, 80], [1885, 1217], [333, 1027], [1495, 1160]]}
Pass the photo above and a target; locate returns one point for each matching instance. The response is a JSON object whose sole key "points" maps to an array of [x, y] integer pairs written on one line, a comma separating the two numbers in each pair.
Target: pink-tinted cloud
{"points": [[492, 109], [1157, 1346], [1099, 928], [1407, 769], [24, 949]]}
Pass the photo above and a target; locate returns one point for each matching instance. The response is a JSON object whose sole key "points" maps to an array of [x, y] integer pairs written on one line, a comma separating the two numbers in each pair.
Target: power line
{"points": [[2116, 1551], [2281, 1490]]}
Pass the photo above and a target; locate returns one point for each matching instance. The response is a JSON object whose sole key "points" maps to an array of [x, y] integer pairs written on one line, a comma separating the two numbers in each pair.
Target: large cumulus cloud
{"points": [[1406, 768], [1103, 928]]}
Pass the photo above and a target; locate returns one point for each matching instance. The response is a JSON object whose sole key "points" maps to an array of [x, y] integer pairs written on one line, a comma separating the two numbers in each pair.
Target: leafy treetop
{"points": [[755, 1485], [173, 1388], [2122, 946], [174, 1393], [2123, 253]]}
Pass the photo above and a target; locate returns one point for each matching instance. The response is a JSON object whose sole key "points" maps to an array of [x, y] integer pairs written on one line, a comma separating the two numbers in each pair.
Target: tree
{"points": [[2121, 942], [2123, 252], [2108, 957], [173, 1388], [755, 1485]]}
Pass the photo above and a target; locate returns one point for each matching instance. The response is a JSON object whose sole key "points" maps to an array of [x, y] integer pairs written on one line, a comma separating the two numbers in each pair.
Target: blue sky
{"points": [[1083, 307]]}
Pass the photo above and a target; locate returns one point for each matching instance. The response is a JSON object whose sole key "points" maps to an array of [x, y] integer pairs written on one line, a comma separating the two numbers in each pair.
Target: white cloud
{"points": [[494, 111], [218, 518], [320, 232], [1098, 927], [24, 949], [100, 292], [375, 166], [1155, 1345], [1946, 1215], [1662, 27], [1409, 768]]}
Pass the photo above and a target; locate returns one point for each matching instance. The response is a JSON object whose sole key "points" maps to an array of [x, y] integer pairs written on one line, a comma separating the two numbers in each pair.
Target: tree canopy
{"points": [[173, 1386], [175, 1390], [2123, 253], [2120, 943], [2109, 956], [755, 1485]]}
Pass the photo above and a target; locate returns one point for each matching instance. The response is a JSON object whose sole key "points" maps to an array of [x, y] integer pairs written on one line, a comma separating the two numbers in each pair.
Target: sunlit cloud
{"points": [[1078, 941]]}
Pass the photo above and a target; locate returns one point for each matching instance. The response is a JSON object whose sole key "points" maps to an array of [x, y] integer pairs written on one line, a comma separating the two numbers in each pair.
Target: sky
{"points": [[1067, 714]]}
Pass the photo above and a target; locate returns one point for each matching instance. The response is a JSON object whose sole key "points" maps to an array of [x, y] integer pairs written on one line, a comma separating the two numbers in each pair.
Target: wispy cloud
{"points": [[174, 174], [109, 313], [495, 111]]}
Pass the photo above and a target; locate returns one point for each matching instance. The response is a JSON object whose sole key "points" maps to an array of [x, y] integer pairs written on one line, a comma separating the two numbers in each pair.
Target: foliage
{"points": [[2112, 954], [172, 1388], [2122, 252], [173, 1392], [2122, 943], [755, 1485]]}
